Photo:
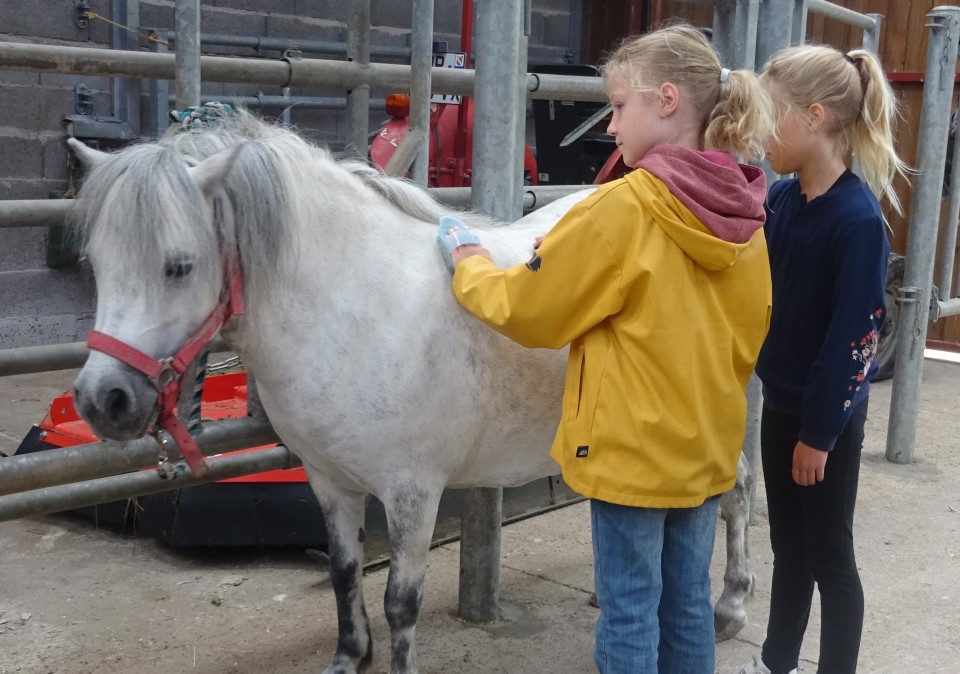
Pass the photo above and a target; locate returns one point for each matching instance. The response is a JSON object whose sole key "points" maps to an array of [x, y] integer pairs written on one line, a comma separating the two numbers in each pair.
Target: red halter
{"points": [[166, 374]]}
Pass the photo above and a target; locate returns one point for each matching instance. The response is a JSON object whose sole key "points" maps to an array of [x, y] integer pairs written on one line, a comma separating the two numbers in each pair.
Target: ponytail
{"points": [[872, 137], [743, 119]]}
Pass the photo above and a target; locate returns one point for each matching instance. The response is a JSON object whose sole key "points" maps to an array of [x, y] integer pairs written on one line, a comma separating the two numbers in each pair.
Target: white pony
{"points": [[367, 367]]}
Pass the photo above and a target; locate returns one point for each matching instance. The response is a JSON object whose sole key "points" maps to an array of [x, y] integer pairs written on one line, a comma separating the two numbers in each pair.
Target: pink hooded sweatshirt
{"points": [[712, 185]]}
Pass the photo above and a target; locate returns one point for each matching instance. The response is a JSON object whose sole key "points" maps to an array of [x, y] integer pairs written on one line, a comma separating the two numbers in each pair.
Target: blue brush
{"points": [[450, 240]]}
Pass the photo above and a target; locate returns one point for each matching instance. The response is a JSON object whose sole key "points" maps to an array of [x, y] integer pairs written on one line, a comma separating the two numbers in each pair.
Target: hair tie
{"points": [[850, 60], [724, 80]]}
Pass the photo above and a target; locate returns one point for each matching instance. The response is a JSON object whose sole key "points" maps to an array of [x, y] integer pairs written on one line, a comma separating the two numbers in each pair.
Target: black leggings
{"points": [[811, 533]]}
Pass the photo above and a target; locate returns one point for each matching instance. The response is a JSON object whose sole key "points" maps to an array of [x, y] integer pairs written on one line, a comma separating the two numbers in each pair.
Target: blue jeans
{"points": [[652, 576]]}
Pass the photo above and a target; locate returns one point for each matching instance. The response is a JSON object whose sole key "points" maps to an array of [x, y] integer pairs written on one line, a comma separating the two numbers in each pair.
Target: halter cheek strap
{"points": [[166, 375]]}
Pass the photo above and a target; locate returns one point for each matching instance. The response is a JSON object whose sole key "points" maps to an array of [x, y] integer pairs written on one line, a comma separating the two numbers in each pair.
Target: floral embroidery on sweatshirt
{"points": [[863, 353]]}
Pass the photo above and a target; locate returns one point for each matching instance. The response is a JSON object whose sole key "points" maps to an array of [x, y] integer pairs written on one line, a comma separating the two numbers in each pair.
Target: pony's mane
{"points": [[143, 202]]}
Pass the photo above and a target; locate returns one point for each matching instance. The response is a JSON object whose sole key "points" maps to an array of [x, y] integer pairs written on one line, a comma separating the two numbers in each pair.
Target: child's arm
{"points": [[857, 313], [571, 284]]}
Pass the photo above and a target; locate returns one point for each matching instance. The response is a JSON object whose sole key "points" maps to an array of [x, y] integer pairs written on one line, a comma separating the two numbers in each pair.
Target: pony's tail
{"points": [[872, 137]]}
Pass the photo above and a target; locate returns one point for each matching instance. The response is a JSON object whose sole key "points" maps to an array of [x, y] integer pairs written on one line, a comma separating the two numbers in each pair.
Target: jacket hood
{"points": [[724, 198]]}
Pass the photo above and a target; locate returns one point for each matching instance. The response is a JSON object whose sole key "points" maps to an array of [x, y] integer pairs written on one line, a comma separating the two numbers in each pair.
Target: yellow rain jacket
{"points": [[664, 316]]}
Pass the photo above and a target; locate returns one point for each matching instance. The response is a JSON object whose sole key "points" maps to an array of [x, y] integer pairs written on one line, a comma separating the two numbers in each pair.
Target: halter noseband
{"points": [[166, 375]]}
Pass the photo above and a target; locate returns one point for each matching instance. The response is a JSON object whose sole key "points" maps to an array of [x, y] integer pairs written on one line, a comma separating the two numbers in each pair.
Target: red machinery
{"points": [[451, 128]]}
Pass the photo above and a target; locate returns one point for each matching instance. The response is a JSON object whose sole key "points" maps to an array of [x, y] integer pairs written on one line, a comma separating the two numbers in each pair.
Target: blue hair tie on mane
{"points": [[208, 114]]}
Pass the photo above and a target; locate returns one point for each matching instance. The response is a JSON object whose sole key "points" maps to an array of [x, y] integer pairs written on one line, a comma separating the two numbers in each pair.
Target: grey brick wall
{"points": [[44, 306]]}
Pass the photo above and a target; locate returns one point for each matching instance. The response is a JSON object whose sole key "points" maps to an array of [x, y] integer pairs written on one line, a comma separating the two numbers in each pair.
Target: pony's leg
{"points": [[411, 515], [343, 512], [728, 614]]}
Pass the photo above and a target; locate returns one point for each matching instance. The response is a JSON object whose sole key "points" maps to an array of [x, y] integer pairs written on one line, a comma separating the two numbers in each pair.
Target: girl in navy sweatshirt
{"points": [[828, 256]]}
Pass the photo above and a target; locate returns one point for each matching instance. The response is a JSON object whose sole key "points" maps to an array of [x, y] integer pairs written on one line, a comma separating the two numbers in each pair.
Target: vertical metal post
{"points": [[944, 24], [752, 19], [157, 116], [499, 94], [358, 99], [871, 37], [516, 197], [739, 34], [285, 113], [798, 31], [499, 91], [948, 247], [724, 20], [126, 91], [188, 54], [775, 29], [421, 61], [772, 34]]}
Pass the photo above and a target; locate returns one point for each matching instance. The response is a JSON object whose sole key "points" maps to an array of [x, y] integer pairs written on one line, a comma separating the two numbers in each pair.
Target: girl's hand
{"points": [[461, 253], [537, 242], [809, 465]]}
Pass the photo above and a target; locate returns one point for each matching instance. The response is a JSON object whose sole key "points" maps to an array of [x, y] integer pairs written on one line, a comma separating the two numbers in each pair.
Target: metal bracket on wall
{"points": [[84, 126], [81, 18], [83, 99]]}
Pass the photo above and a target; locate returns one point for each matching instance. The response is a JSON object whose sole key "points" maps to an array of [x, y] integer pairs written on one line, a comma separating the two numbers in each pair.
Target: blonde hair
{"points": [[861, 106], [736, 115]]}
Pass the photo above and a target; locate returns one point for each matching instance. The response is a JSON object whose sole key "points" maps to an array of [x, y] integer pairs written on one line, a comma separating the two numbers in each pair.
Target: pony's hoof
{"points": [[728, 623]]}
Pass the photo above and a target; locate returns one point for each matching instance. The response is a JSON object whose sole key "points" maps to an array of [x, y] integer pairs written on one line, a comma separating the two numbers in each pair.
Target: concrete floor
{"points": [[77, 599]]}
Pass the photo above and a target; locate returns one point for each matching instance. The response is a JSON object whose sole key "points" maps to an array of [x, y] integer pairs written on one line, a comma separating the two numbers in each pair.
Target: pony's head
{"points": [[149, 229]]}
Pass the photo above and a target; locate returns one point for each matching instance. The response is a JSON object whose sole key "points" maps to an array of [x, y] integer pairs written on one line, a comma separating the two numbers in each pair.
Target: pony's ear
{"points": [[212, 171], [87, 155]]}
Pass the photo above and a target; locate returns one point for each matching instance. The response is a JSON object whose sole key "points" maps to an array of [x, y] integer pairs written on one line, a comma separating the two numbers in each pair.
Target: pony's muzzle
{"points": [[116, 406]]}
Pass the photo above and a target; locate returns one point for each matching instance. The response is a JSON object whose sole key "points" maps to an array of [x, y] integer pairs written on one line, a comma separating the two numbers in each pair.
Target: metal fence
{"points": [[746, 33]]}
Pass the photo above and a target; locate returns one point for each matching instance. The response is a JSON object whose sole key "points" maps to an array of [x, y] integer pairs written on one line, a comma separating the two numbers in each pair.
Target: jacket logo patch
{"points": [[534, 263], [582, 451]]}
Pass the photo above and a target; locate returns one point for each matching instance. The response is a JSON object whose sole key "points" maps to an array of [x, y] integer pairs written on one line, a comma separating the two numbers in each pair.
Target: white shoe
{"points": [[756, 666]]}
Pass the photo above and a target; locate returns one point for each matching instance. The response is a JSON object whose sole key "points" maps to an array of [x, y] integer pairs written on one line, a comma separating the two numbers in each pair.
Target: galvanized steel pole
{"points": [[798, 32], [28, 359], [724, 34], [944, 23], [871, 36], [842, 14], [421, 61], [139, 483], [499, 26], [358, 98], [948, 246], [520, 142], [292, 72], [775, 28], [34, 212], [85, 462], [187, 56]]}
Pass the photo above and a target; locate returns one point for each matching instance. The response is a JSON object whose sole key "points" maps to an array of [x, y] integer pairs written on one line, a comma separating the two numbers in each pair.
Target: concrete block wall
{"points": [[39, 305]]}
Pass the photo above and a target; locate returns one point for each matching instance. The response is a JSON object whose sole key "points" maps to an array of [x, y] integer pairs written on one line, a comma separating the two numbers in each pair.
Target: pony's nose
{"points": [[116, 404], [114, 409]]}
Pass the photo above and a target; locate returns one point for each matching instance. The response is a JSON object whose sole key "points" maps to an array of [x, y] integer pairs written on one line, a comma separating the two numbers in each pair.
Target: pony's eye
{"points": [[177, 267]]}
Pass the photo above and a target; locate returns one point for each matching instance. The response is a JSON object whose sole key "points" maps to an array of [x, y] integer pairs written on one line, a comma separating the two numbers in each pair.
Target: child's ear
{"points": [[817, 114], [669, 99]]}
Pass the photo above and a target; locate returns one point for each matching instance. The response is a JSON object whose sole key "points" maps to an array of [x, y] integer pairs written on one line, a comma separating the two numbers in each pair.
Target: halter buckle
{"points": [[166, 375]]}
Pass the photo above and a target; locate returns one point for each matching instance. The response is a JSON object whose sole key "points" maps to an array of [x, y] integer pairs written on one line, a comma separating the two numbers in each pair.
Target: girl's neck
{"points": [[818, 175]]}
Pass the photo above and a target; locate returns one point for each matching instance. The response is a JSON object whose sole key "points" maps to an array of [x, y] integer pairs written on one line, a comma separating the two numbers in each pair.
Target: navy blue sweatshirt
{"points": [[828, 259]]}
